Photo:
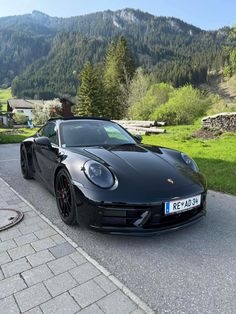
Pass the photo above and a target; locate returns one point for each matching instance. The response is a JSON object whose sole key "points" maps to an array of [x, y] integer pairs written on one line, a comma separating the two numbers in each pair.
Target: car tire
{"points": [[25, 166], [65, 197]]}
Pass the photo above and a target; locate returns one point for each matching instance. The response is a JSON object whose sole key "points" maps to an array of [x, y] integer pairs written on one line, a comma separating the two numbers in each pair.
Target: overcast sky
{"points": [[207, 14]]}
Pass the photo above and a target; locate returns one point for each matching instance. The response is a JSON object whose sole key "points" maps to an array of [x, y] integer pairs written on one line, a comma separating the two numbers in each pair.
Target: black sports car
{"points": [[104, 177]]}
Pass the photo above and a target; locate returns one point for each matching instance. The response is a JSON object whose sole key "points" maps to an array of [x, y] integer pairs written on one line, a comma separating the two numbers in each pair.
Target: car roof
{"points": [[61, 119]]}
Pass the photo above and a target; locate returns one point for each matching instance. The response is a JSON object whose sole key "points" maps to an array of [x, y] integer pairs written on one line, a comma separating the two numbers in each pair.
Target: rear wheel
{"points": [[65, 196], [24, 162]]}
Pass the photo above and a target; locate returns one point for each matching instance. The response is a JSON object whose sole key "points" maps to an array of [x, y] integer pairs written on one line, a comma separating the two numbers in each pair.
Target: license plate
{"points": [[182, 205]]}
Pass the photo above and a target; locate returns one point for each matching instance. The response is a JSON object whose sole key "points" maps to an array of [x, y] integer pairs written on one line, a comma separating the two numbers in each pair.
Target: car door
{"points": [[47, 159]]}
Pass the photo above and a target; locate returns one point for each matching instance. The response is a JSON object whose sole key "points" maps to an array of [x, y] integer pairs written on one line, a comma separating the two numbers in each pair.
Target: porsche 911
{"points": [[105, 178]]}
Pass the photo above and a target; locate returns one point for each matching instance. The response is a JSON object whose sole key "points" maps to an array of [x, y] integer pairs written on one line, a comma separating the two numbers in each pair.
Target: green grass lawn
{"points": [[215, 157], [15, 135], [5, 94]]}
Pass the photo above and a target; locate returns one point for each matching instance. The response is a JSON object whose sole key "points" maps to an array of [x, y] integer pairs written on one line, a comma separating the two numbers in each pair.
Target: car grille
{"points": [[149, 217], [121, 216]]}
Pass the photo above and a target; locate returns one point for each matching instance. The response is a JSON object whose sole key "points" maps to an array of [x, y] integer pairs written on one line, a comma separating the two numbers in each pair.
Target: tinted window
{"points": [[93, 133], [49, 130]]}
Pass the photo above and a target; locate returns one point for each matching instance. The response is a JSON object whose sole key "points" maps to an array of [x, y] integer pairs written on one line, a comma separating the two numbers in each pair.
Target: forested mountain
{"points": [[48, 53], [58, 72], [17, 51]]}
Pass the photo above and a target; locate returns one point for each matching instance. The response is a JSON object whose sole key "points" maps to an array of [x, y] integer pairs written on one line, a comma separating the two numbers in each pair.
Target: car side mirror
{"points": [[44, 142], [138, 138]]}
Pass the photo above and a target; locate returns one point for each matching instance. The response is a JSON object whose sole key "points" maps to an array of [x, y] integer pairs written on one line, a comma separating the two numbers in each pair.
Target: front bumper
{"points": [[136, 219]]}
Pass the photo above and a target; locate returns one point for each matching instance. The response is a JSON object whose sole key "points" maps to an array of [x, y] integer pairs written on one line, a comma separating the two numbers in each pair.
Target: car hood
{"points": [[141, 166], [145, 175]]}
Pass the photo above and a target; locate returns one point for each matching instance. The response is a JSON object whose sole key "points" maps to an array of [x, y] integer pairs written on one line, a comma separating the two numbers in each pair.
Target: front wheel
{"points": [[65, 197], [24, 162]]}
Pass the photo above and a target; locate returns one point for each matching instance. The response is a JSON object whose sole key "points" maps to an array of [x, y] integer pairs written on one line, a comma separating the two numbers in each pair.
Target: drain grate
{"points": [[9, 217]]}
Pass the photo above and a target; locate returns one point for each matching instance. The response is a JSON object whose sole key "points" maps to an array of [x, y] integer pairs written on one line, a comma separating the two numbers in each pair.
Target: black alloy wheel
{"points": [[24, 162], [65, 197]]}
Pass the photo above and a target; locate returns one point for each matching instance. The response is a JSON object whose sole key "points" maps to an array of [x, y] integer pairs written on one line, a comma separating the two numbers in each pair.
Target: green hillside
{"points": [[36, 46], [5, 94]]}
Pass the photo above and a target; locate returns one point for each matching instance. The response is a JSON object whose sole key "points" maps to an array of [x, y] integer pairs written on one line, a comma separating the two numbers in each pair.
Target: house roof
{"points": [[69, 99], [24, 103]]}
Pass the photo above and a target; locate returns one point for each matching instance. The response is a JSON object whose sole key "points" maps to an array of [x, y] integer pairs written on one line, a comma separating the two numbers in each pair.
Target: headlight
{"points": [[190, 162], [98, 174]]}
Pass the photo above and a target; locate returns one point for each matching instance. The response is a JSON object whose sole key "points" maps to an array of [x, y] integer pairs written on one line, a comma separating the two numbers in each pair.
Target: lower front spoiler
{"points": [[142, 231], [134, 220]]}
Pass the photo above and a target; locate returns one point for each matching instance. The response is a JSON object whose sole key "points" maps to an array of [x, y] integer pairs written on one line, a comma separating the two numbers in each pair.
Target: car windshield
{"points": [[82, 133]]}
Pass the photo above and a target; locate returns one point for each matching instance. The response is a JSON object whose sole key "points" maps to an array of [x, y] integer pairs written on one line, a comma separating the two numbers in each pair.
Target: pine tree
{"points": [[118, 71], [124, 61], [98, 83], [89, 94], [111, 84]]}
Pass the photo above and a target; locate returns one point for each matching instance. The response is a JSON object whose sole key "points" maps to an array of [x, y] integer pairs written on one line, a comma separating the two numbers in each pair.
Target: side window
{"points": [[49, 130], [52, 133], [41, 132]]}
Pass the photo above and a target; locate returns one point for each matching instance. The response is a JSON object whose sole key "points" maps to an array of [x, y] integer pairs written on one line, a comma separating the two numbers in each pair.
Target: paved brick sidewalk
{"points": [[42, 271]]}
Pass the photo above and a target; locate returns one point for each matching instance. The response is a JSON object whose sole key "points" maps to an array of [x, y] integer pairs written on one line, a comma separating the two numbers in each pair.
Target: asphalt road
{"points": [[188, 271]]}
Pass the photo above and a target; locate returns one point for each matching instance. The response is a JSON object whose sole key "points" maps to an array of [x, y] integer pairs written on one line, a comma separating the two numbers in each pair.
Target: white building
{"points": [[23, 106], [26, 106]]}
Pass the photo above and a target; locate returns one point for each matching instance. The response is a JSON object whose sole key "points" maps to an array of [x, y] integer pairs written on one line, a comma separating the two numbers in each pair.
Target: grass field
{"points": [[215, 157], [4, 95], [15, 135]]}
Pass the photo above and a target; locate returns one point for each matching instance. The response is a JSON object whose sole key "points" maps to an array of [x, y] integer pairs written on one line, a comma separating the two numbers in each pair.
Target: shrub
{"points": [[41, 114], [156, 95], [227, 71], [230, 69], [138, 90], [185, 105], [20, 118]]}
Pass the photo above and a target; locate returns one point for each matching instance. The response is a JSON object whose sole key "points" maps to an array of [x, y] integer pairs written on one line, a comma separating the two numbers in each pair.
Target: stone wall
{"points": [[225, 121]]}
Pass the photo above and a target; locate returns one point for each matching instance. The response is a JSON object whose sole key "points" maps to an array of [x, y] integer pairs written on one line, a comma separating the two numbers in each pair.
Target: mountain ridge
{"points": [[154, 40], [39, 15], [127, 14]]}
